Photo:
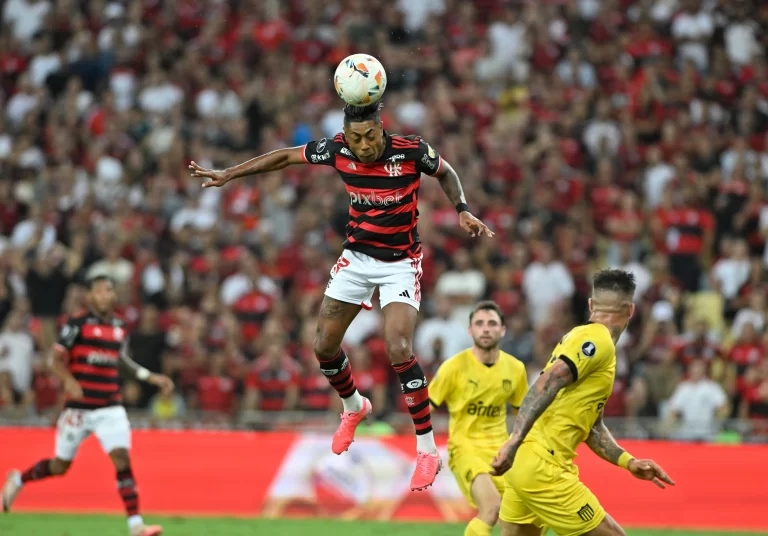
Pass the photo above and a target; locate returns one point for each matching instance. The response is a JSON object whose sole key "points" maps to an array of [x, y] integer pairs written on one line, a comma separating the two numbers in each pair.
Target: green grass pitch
{"points": [[77, 525]]}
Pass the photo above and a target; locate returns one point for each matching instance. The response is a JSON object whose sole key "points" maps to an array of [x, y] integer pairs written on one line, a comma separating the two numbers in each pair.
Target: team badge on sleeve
{"points": [[588, 349], [431, 151], [68, 334]]}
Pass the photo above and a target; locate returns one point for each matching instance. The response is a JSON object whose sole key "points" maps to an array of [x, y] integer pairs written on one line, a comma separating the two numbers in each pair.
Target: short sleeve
{"points": [[428, 160], [588, 350], [68, 336], [441, 385], [321, 152], [521, 387]]}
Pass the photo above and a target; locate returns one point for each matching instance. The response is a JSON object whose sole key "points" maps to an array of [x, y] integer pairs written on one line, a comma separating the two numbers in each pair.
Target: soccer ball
{"points": [[360, 79]]}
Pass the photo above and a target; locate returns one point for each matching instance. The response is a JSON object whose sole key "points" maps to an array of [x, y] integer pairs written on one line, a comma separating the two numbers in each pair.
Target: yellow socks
{"points": [[477, 527]]}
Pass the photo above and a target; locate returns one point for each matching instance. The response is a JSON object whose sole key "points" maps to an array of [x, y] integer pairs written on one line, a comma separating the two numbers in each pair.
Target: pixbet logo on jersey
{"points": [[374, 199], [99, 358]]}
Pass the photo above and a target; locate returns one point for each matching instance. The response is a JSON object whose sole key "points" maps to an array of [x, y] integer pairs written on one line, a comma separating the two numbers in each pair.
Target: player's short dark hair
{"points": [[614, 280], [98, 279], [487, 305], [361, 114]]}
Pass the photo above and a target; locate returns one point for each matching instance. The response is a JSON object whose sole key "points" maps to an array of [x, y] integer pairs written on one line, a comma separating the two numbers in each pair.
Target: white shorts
{"points": [[110, 426], [355, 276]]}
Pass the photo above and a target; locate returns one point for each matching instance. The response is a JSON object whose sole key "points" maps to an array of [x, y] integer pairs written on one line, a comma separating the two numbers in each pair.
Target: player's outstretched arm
{"points": [[451, 185], [136, 372], [272, 161], [541, 394], [602, 443]]}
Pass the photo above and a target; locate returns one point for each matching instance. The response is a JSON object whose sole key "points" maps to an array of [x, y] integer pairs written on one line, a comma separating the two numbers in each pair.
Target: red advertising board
{"points": [[278, 474]]}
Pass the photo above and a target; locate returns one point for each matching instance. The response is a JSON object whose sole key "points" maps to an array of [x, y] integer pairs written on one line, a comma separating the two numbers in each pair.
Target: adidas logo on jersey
{"points": [[405, 294], [352, 165]]}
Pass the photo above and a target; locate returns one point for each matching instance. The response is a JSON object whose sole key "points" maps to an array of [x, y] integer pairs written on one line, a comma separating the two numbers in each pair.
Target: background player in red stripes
{"points": [[382, 173], [91, 350]]}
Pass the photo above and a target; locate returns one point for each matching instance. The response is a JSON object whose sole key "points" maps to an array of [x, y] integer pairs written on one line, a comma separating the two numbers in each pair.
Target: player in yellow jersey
{"points": [[562, 409], [476, 386]]}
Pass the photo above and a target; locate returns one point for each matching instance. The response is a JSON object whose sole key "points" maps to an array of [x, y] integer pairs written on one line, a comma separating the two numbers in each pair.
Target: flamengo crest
{"points": [[395, 169]]}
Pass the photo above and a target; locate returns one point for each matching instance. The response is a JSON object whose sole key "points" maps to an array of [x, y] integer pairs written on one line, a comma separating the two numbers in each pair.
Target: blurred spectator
{"points": [[17, 352], [113, 265], [441, 336], [273, 383], [754, 394], [519, 340], [167, 406], [216, 390], [731, 272], [754, 314], [463, 285], [696, 405], [546, 283]]}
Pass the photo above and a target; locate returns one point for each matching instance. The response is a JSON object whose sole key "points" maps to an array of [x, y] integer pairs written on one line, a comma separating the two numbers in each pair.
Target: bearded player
{"points": [[382, 173], [563, 408], [476, 385], [90, 351]]}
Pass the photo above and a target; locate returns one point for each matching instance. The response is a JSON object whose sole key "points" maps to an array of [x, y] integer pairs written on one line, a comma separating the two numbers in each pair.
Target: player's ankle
{"points": [[135, 521], [353, 403], [426, 443]]}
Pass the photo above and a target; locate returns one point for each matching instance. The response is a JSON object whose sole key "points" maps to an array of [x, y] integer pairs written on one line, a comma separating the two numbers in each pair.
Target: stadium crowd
{"points": [[587, 133]]}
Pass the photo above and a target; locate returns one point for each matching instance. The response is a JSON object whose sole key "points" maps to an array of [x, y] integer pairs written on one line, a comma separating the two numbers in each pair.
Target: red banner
{"points": [[276, 474]]}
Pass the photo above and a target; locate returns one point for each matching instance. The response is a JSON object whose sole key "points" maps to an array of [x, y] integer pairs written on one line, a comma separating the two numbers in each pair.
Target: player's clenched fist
{"points": [[505, 458], [649, 470]]}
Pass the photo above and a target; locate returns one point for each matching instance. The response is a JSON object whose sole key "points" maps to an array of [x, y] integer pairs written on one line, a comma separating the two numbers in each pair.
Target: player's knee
{"points": [[121, 459], [59, 466], [325, 346], [489, 511], [399, 348]]}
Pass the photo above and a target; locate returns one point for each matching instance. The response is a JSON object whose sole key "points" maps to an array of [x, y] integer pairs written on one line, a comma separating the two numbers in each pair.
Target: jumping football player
{"points": [[382, 173], [476, 385], [90, 351], [563, 408]]}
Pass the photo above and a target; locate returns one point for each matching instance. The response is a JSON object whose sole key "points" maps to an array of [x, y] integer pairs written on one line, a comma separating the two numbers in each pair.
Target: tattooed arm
{"points": [[451, 185], [539, 397], [136, 372], [602, 443]]}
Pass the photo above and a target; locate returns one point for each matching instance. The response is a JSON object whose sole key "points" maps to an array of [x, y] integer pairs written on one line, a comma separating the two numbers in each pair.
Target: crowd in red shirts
{"points": [[587, 133]]}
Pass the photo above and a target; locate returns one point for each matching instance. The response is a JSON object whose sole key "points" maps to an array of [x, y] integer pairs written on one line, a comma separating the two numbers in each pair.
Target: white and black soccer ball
{"points": [[360, 80]]}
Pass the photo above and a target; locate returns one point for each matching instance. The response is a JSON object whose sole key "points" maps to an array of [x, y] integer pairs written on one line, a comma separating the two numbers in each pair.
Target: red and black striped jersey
{"points": [[383, 195], [93, 346]]}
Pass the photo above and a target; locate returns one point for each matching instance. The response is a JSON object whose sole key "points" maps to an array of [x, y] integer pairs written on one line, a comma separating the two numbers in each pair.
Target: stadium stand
{"points": [[587, 133]]}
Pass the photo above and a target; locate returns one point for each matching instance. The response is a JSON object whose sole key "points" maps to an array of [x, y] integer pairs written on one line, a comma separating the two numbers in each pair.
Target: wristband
{"points": [[624, 460], [142, 374], [462, 207]]}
